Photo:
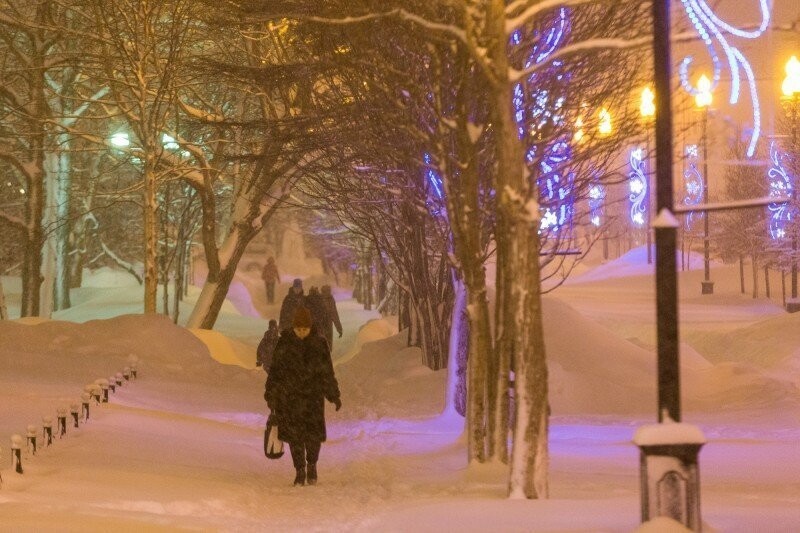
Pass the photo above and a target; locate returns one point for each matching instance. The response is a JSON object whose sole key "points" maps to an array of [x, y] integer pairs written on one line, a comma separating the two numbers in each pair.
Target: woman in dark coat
{"points": [[300, 379]]}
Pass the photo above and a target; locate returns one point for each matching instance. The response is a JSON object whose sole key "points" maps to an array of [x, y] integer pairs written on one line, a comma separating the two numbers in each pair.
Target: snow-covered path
{"points": [[180, 448]]}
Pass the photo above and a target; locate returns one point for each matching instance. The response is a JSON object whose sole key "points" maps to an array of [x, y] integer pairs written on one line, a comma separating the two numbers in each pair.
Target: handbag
{"points": [[273, 446]]}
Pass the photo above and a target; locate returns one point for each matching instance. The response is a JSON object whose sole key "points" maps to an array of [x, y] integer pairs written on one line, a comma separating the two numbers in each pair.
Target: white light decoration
{"points": [[713, 30], [638, 186], [120, 140], [693, 185], [597, 196], [780, 184], [169, 142]]}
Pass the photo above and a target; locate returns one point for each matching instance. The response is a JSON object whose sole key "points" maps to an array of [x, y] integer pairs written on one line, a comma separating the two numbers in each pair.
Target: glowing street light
{"points": [[605, 127], [791, 84], [703, 100], [703, 97], [648, 106], [579, 133]]}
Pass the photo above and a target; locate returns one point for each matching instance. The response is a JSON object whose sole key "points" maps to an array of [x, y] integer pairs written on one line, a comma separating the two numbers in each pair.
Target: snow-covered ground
{"points": [[180, 448]]}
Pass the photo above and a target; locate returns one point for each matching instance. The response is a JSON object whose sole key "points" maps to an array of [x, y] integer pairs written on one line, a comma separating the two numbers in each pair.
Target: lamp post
{"points": [[791, 103], [703, 101], [647, 108]]}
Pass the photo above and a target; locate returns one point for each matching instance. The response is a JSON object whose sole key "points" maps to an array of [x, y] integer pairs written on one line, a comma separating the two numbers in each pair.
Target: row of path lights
{"points": [[97, 392]]}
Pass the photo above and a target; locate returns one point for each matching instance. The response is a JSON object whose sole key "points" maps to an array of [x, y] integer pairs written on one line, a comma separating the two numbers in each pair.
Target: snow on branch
{"points": [[526, 11], [591, 44], [128, 267]]}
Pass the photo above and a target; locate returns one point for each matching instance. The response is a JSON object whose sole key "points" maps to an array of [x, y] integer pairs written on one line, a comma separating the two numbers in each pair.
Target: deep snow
{"points": [[180, 448]]}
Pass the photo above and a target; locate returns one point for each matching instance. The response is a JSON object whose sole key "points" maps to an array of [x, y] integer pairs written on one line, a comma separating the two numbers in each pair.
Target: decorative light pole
{"points": [[647, 108], [703, 101], [791, 104]]}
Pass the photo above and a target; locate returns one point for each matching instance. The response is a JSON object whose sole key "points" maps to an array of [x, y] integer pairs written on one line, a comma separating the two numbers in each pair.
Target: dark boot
{"points": [[300, 478], [312, 474]]}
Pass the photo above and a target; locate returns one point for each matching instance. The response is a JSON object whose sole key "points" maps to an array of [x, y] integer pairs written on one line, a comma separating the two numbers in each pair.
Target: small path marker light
{"points": [[62, 422], [103, 384], [47, 431], [16, 453], [126, 373], [96, 391], [118, 378], [112, 384], [74, 410], [85, 405], [32, 439]]}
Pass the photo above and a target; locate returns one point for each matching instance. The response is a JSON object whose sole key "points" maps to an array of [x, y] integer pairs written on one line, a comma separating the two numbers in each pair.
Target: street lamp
{"points": [[604, 127], [647, 108], [791, 103], [703, 101]]}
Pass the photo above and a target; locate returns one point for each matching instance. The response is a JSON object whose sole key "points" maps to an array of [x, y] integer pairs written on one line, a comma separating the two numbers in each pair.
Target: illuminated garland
{"points": [[712, 29], [534, 110], [693, 184], [638, 187], [597, 196], [556, 185], [780, 184]]}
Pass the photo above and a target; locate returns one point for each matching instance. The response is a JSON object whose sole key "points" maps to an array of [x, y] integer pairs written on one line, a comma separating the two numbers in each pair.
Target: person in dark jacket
{"points": [[300, 379], [316, 305], [266, 348], [270, 276], [331, 316], [294, 299]]}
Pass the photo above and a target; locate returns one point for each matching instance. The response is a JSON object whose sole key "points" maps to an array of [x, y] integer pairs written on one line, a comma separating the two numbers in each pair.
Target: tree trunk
{"points": [[755, 275], [149, 207], [741, 273], [61, 281], [456, 394], [518, 278], [766, 280], [3, 308]]}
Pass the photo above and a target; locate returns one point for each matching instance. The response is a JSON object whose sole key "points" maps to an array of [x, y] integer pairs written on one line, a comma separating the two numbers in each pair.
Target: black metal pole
{"points": [[706, 244], [793, 118], [666, 275]]}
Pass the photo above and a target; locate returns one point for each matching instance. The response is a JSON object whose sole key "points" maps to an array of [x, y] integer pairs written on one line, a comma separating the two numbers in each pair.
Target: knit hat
{"points": [[297, 283], [302, 318]]}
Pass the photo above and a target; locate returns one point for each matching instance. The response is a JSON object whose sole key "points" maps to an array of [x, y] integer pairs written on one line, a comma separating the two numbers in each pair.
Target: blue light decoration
{"points": [[597, 197], [535, 109], [638, 185], [693, 185], [780, 184], [711, 30], [435, 201], [433, 177], [556, 185]]}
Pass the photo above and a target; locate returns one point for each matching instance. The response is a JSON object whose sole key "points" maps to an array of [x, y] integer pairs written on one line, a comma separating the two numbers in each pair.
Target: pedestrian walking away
{"points": [[270, 276], [294, 299], [300, 379], [266, 348], [316, 305], [331, 316]]}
